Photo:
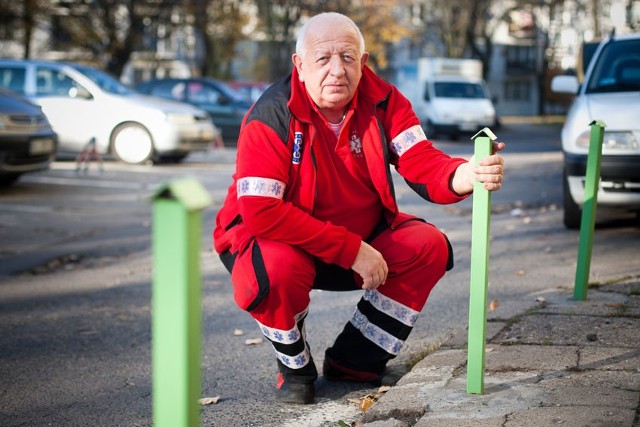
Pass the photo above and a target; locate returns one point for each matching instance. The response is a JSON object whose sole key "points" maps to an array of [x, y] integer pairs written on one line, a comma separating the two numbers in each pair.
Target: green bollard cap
{"points": [[487, 132], [187, 191]]}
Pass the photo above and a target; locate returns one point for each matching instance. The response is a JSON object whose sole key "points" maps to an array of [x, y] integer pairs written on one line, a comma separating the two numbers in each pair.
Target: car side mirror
{"points": [[565, 84], [79, 92]]}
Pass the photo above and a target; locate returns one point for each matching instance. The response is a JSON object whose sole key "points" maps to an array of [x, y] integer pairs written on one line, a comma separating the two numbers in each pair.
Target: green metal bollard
{"points": [[589, 204], [483, 147], [176, 302]]}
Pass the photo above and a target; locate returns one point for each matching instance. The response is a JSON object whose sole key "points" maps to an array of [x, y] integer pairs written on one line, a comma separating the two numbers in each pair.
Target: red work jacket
{"points": [[275, 168]]}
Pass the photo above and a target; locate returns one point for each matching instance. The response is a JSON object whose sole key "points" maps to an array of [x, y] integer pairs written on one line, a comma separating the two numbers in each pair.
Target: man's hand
{"points": [[371, 266], [490, 172]]}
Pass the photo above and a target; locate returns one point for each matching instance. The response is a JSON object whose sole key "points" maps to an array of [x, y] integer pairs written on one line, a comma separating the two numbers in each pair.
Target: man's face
{"points": [[331, 67]]}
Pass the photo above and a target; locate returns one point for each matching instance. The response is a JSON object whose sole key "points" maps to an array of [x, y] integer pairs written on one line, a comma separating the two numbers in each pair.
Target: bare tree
{"points": [[380, 27], [19, 19], [219, 25], [110, 29]]}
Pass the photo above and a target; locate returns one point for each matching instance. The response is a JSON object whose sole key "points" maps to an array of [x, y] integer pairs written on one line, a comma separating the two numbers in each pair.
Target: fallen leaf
{"points": [[614, 305], [541, 300], [520, 273], [494, 304], [384, 389], [253, 341], [209, 400], [364, 403], [238, 332], [367, 402]]}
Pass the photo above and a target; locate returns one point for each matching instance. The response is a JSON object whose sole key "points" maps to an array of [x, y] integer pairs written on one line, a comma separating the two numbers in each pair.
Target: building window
{"points": [[517, 91], [521, 59]]}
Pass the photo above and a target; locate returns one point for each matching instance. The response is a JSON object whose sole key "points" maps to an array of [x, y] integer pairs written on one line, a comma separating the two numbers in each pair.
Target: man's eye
{"points": [[348, 58]]}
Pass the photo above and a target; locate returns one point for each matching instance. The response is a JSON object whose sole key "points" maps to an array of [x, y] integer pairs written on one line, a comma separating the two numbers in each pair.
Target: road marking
{"points": [[79, 182]]}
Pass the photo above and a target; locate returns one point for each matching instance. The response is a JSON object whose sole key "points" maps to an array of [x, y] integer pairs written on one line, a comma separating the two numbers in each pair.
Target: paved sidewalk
{"points": [[559, 362]]}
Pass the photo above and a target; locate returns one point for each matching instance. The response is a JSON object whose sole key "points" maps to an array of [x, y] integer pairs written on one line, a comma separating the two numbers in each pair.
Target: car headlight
{"points": [[180, 118], [618, 142]]}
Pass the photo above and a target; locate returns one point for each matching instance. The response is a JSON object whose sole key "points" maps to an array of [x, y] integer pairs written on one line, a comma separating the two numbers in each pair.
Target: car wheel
{"points": [[132, 143], [572, 212], [8, 179], [173, 158]]}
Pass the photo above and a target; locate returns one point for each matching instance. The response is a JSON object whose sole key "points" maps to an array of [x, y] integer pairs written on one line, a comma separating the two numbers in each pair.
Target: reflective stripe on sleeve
{"points": [[256, 186], [407, 139]]}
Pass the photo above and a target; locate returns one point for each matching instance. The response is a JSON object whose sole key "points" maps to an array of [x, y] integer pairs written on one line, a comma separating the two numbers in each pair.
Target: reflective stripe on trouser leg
{"points": [[292, 350], [374, 335]]}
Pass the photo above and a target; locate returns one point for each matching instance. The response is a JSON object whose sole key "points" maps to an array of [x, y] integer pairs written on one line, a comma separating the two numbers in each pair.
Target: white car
{"points": [[611, 93], [83, 103]]}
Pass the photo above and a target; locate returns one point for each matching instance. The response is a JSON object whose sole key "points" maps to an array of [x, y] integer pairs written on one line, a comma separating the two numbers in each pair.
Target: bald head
{"points": [[328, 21], [329, 60]]}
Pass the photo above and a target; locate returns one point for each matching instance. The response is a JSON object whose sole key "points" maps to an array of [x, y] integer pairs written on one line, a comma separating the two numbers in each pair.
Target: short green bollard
{"points": [[483, 147], [589, 204], [176, 303]]}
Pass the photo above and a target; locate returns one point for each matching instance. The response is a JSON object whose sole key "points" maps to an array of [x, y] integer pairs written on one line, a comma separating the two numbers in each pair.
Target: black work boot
{"points": [[291, 392]]}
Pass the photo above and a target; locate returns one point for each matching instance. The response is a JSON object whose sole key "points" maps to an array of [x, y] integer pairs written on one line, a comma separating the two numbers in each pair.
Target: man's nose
{"points": [[337, 66]]}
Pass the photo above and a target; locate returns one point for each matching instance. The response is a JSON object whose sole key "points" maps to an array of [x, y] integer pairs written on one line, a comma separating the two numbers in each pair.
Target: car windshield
{"points": [[230, 92], [104, 80], [617, 68], [459, 90]]}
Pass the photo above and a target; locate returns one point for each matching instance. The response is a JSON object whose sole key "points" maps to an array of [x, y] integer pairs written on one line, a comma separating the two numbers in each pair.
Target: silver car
{"points": [[610, 92], [84, 104]]}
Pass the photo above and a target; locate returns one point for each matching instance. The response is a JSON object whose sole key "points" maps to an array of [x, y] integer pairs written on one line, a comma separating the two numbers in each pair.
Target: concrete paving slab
{"points": [[570, 417], [460, 340], [598, 303], [593, 389], [505, 393], [436, 369], [448, 422], [572, 330], [530, 358], [610, 358]]}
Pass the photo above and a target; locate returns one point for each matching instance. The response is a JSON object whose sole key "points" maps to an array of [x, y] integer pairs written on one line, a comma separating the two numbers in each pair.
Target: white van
{"points": [[83, 103], [448, 95]]}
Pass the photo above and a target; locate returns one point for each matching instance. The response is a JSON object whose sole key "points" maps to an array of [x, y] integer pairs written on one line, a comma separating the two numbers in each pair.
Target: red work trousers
{"points": [[273, 280]]}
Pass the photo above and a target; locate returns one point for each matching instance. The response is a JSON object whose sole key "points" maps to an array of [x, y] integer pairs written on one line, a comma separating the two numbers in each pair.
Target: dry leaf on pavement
{"points": [[209, 400], [253, 341]]}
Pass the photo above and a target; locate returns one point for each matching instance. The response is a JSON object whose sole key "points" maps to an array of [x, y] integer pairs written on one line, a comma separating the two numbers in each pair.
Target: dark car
{"points": [[226, 106], [27, 141]]}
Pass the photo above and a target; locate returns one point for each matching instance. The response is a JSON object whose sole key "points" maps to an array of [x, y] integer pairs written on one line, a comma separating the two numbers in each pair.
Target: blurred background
{"points": [[521, 44]]}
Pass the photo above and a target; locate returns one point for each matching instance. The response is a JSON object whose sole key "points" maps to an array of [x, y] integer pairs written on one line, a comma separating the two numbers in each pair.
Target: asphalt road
{"points": [[75, 288]]}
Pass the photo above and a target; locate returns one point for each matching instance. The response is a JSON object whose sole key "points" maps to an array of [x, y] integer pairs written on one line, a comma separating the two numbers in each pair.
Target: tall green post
{"points": [[483, 147], [176, 303], [589, 204]]}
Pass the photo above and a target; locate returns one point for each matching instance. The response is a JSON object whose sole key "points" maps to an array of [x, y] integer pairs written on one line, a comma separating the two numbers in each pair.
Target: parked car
{"points": [[27, 141], [250, 90], [610, 92], [83, 103], [226, 107]]}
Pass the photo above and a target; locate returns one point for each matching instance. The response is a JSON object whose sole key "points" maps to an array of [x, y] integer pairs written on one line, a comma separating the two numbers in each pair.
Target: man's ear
{"points": [[363, 59], [297, 62]]}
